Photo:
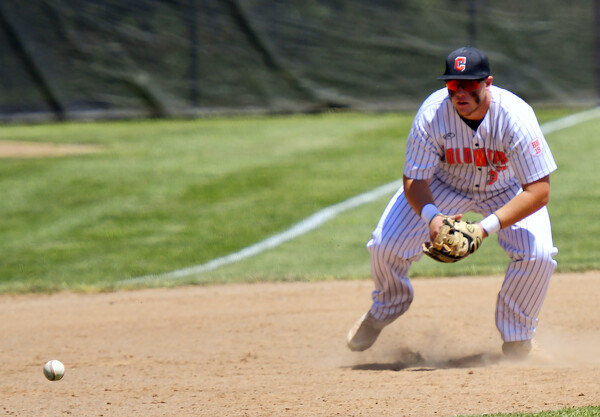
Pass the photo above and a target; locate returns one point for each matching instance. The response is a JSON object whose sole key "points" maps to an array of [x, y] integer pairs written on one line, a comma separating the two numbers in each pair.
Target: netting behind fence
{"points": [[122, 58]]}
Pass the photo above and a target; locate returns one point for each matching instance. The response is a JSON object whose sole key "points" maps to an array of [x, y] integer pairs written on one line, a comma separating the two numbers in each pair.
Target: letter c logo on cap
{"points": [[460, 63]]}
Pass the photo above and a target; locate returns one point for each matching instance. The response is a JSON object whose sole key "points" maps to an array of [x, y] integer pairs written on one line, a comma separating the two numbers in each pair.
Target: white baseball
{"points": [[54, 370]]}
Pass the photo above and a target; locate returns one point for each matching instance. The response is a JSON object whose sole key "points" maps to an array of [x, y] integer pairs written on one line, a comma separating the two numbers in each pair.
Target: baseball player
{"points": [[473, 147]]}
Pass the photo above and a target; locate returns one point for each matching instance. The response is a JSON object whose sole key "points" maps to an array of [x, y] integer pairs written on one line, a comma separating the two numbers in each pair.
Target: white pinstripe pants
{"points": [[397, 240]]}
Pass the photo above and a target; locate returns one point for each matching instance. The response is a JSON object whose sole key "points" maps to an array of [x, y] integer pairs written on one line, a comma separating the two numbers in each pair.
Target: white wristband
{"points": [[428, 212], [491, 224]]}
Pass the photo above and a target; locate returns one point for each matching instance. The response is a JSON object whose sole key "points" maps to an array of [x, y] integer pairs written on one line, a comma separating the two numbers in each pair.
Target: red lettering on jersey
{"points": [[457, 153], [492, 177], [479, 157], [450, 156], [480, 160], [490, 156], [500, 160], [460, 63], [535, 147], [467, 156]]}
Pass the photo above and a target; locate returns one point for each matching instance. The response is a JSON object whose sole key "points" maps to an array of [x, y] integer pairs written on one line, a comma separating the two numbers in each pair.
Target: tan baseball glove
{"points": [[456, 240]]}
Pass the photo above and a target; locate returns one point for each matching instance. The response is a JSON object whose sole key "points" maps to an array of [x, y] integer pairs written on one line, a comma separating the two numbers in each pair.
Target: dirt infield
{"points": [[10, 149], [279, 350]]}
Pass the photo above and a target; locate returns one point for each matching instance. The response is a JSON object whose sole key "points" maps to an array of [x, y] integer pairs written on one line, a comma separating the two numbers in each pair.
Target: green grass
{"points": [[565, 412], [165, 195]]}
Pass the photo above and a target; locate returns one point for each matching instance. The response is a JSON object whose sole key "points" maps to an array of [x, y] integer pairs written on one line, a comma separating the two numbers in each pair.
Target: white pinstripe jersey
{"points": [[507, 150]]}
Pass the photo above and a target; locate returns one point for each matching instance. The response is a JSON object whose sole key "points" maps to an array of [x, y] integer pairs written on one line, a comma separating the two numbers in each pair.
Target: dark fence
{"points": [[69, 59]]}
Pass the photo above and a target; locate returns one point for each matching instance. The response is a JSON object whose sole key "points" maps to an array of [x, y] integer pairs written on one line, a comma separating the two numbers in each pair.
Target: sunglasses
{"points": [[467, 85]]}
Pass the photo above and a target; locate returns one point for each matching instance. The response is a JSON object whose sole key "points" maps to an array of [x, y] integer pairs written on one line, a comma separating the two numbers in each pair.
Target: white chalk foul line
{"points": [[570, 121], [317, 219], [303, 227]]}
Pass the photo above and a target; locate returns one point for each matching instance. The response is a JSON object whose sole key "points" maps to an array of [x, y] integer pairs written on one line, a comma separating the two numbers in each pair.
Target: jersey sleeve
{"points": [[422, 156], [529, 153]]}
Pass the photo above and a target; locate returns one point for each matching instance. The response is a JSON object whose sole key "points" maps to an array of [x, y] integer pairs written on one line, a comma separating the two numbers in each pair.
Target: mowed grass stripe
{"points": [[163, 195], [330, 212]]}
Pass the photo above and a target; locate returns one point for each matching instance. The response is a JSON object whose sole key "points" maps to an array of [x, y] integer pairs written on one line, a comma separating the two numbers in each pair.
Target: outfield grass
{"points": [[566, 412], [337, 249], [165, 195]]}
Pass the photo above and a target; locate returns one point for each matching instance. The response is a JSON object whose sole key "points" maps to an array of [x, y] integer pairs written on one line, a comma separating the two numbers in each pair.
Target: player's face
{"points": [[470, 98]]}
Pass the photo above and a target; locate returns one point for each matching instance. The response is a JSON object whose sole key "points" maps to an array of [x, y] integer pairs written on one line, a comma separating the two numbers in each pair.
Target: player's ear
{"points": [[488, 81]]}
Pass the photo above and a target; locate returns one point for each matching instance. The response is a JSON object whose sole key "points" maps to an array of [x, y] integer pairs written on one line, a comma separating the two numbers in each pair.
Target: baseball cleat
{"points": [[517, 350], [365, 332]]}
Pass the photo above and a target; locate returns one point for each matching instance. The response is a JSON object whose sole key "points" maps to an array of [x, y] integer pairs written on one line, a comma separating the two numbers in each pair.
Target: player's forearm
{"points": [[534, 197], [417, 193]]}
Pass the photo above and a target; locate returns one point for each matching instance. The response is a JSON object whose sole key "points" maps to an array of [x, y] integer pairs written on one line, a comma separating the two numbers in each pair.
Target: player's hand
{"points": [[436, 224], [455, 240]]}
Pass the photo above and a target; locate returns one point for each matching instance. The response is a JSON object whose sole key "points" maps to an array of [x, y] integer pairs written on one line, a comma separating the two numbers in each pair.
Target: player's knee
{"points": [[392, 250], [542, 258], [379, 249]]}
